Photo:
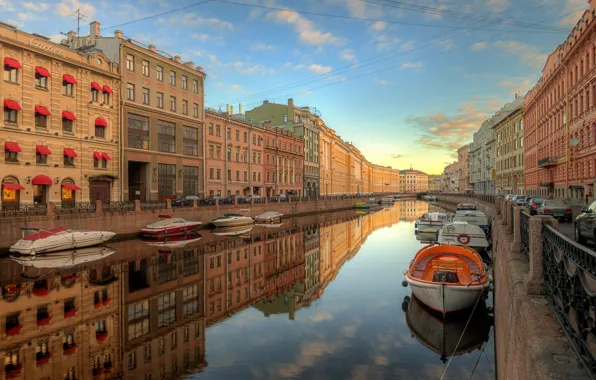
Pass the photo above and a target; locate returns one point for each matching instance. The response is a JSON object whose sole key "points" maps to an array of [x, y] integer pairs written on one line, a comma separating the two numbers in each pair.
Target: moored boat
{"points": [[474, 217], [431, 222], [429, 198], [64, 259], [269, 217], [447, 278], [239, 218], [168, 226], [232, 231], [57, 239], [466, 206], [463, 234], [372, 203], [388, 200]]}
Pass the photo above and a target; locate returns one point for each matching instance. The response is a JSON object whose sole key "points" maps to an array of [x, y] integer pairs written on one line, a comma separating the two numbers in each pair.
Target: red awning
{"points": [[12, 147], [106, 156], [13, 186], [101, 122], [42, 71], [70, 186], [41, 180], [107, 89], [68, 115], [42, 110], [11, 62], [97, 155], [12, 104], [70, 152], [96, 86], [69, 79], [42, 149]]}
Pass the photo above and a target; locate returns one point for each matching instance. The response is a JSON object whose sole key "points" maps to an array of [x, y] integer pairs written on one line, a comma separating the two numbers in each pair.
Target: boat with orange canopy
{"points": [[446, 277]]}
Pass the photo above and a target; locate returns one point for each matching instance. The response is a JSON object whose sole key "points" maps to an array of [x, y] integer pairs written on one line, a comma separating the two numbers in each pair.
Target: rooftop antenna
{"points": [[79, 16]]}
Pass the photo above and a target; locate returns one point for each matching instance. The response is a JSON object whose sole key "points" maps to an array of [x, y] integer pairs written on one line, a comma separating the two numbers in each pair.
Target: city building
{"points": [[510, 150], [162, 135], [283, 162], [559, 118], [463, 168], [235, 155], [450, 178], [61, 128], [482, 160], [413, 181], [434, 182], [303, 122]]}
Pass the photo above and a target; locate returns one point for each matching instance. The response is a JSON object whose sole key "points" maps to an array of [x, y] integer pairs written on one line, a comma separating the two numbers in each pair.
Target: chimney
{"points": [[118, 34], [177, 58], [152, 47], [200, 68], [265, 101], [94, 30], [189, 64], [228, 109], [72, 34], [240, 108], [231, 110]]}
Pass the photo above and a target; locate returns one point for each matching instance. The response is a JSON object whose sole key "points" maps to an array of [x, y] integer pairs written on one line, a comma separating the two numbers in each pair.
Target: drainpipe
{"points": [[566, 121]]}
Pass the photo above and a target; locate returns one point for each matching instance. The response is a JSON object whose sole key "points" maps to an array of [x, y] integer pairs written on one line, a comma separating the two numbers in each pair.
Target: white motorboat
{"points": [[232, 231], [388, 200], [64, 259], [239, 218], [447, 278], [269, 217], [57, 239], [179, 241], [463, 234], [431, 222], [168, 226], [477, 218]]}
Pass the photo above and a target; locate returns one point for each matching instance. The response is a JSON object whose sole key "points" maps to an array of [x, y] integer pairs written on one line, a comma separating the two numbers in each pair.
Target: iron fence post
{"points": [[533, 281]]}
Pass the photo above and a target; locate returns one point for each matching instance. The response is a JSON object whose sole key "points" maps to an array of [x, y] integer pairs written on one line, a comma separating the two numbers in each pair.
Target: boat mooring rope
{"points": [[480, 356]]}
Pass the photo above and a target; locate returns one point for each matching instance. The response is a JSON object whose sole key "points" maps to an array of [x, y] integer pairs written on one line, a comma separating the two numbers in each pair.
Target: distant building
{"points": [[283, 163], [463, 168], [434, 182], [450, 178], [510, 150], [413, 181]]}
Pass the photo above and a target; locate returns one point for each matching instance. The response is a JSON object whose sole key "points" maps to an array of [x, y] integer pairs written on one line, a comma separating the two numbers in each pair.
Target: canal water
{"points": [[319, 297]]}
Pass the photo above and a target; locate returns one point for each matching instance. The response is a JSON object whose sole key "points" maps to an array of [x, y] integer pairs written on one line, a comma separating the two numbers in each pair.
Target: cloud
{"points": [[447, 44], [56, 38], [15, 23], [25, 16], [379, 26], [396, 156], [528, 54], [319, 69], [517, 85], [384, 41], [436, 15], [235, 88], [7, 5], [381, 81], [497, 6], [200, 36], [408, 45], [249, 69], [192, 20], [478, 46], [66, 8], [319, 317], [262, 47], [36, 7], [574, 10], [412, 65], [347, 55]]}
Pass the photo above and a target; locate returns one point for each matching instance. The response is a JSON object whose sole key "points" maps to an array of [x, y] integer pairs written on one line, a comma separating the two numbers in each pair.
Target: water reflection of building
{"points": [[60, 323], [410, 210]]}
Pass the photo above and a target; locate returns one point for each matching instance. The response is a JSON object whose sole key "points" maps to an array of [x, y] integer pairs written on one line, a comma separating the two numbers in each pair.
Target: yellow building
{"points": [[61, 128], [510, 151], [413, 181]]}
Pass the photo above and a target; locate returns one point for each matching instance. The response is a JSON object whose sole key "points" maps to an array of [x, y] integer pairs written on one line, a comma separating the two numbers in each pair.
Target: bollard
{"points": [[98, 210], [50, 209], [168, 204], [137, 205], [194, 203], [533, 280], [235, 201]]}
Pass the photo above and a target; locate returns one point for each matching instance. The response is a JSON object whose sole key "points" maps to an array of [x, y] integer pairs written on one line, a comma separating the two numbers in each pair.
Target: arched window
{"points": [[11, 192], [69, 190]]}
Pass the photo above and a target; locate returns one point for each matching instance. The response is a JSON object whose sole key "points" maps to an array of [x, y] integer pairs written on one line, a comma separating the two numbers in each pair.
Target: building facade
{"points": [[163, 117], [302, 122], [450, 178], [463, 168], [510, 150], [413, 181], [283, 162], [482, 160], [560, 119], [235, 155], [61, 128]]}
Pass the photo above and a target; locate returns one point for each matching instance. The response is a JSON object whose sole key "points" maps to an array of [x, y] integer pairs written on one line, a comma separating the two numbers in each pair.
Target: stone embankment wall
{"points": [[529, 342]]}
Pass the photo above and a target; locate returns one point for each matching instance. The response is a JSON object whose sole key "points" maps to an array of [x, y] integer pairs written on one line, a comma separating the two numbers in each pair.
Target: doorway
{"points": [[40, 194], [99, 190], [137, 181]]}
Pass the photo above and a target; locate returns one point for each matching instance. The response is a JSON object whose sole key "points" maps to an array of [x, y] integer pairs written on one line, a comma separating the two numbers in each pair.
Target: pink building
{"points": [[284, 162]]}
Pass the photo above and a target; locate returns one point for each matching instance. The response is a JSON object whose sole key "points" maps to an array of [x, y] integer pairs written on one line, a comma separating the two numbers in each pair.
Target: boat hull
{"points": [[232, 222], [65, 259], [55, 243], [173, 231], [429, 228], [446, 298]]}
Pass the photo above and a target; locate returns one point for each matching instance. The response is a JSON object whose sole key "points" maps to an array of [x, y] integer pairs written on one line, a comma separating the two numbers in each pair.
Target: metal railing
{"points": [[74, 208], [21, 210], [524, 232], [512, 215], [154, 205], [568, 285], [118, 206]]}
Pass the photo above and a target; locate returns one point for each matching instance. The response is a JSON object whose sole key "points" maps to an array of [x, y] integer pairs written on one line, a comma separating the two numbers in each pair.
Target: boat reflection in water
{"points": [[172, 242], [426, 237], [64, 259], [443, 336], [232, 231]]}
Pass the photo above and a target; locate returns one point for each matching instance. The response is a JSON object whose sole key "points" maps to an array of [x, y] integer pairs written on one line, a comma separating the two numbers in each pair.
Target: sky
{"points": [[407, 82]]}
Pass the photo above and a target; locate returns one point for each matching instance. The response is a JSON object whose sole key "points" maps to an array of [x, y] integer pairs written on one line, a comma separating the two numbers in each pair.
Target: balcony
{"points": [[548, 161]]}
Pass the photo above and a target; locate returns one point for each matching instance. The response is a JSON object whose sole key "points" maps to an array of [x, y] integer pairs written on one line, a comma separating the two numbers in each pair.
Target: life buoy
{"points": [[463, 239]]}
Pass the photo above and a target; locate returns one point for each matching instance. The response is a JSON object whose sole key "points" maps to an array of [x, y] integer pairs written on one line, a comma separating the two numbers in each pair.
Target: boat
{"points": [[168, 226], [447, 278], [239, 218], [370, 204], [179, 241], [426, 237], [232, 231], [388, 200], [57, 239], [450, 336], [463, 234], [466, 206], [429, 198], [269, 217], [270, 225], [477, 218], [431, 222], [64, 259]]}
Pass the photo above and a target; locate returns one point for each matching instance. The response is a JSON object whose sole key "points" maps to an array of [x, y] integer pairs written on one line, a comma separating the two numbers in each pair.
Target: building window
{"points": [[229, 154], [11, 156], [166, 136], [67, 88], [10, 115], [145, 95], [211, 173], [41, 81], [285, 118], [41, 158], [217, 130], [173, 103], [68, 161], [229, 174], [172, 78], [138, 131], [159, 100], [100, 131], [218, 152], [237, 135], [184, 81], [237, 175], [11, 73], [167, 180], [146, 68], [130, 91], [229, 133], [218, 174], [185, 107], [159, 73], [166, 305], [94, 95], [190, 139], [195, 110], [106, 96], [195, 86], [210, 129], [191, 180], [130, 62], [41, 121]]}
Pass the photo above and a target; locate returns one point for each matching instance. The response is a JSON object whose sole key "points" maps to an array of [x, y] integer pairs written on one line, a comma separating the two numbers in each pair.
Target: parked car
{"points": [[555, 209], [521, 200], [533, 204], [510, 197], [585, 224], [185, 201], [210, 200], [230, 199], [251, 196], [281, 197]]}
